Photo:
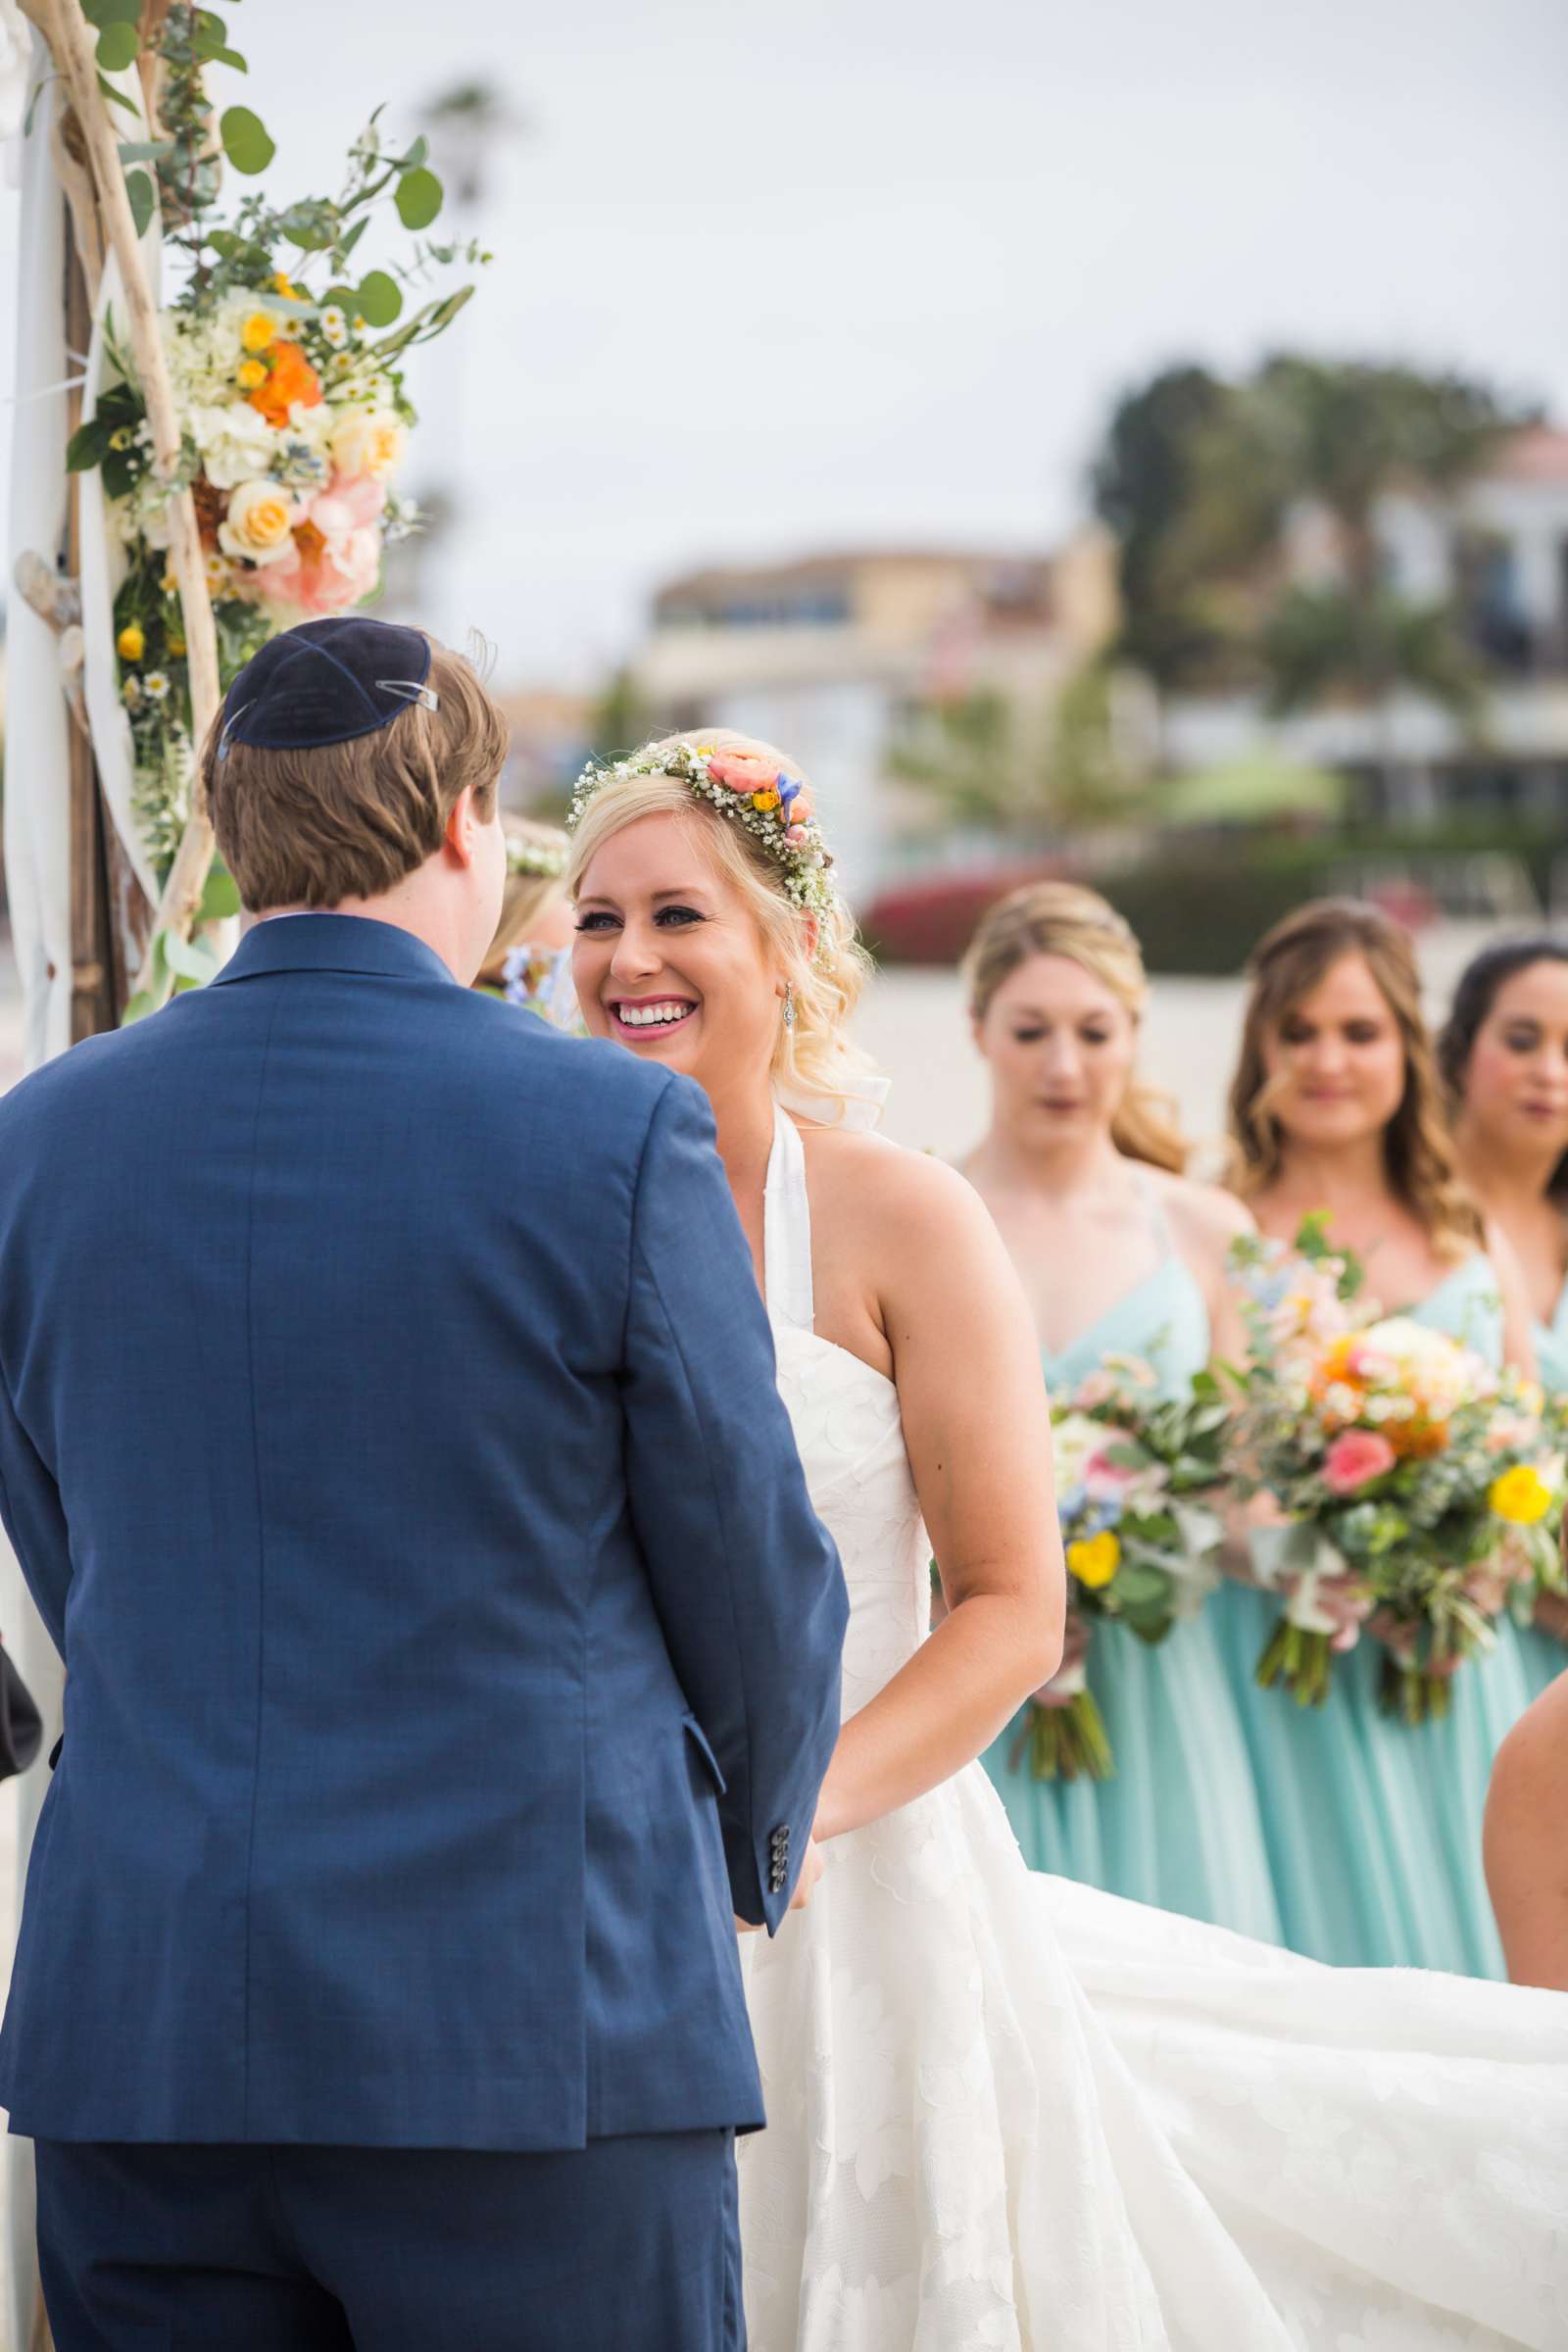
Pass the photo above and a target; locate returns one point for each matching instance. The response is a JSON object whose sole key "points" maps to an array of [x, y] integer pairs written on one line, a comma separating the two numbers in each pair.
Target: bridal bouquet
{"points": [[287, 362], [1132, 1469], [1421, 1491]]}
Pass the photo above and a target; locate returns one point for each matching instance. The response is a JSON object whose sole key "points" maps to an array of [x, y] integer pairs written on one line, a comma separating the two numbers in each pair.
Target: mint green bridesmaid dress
{"points": [[1177, 1825], [1373, 1829], [1544, 1655]]}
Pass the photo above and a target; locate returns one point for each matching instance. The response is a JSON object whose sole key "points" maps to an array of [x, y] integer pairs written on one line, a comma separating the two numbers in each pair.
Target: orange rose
{"points": [[291, 378]]}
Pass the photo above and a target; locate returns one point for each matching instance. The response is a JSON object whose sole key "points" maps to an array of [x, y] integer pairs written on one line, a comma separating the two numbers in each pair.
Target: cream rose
{"points": [[369, 441], [258, 523]]}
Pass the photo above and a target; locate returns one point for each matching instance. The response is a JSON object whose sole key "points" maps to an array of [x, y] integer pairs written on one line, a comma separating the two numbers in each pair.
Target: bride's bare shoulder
{"points": [[884, 1191]]}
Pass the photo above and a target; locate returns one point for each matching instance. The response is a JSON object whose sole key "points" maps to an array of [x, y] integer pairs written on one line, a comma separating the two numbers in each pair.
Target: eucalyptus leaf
{"points": [[118, 47], [114, 97], [101, 12], [145, 151], [379, 298], [187, 959], [419, 198], [139, 189], [246, 141], [221, 898]]}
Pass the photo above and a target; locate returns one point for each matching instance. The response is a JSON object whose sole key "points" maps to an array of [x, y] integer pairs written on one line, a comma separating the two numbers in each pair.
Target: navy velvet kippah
{"points": [[325, 683]]}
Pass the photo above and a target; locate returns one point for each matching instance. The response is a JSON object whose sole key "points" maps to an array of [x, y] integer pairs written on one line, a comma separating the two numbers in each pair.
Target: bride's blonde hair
{"points": [[818, 952]]}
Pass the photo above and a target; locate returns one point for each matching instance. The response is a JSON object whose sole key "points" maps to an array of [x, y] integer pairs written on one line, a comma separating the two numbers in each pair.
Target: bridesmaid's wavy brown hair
{"points": [[1061, 918], [1284, 966]]}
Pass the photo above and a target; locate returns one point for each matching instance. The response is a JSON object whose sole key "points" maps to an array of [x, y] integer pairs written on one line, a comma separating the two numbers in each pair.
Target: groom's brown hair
{"points": [[310, 826]]}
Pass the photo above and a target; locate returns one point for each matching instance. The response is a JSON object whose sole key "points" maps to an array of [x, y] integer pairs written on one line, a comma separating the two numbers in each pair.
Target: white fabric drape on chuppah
{"points": [[37, 821]]}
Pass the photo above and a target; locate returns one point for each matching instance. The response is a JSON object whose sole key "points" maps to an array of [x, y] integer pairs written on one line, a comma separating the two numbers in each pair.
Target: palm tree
{"points": [[1338, 436]]}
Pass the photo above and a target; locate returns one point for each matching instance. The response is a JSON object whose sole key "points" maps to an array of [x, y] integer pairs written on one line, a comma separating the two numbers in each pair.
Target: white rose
{"points": [[369, 441], [260, 522], [234, 442]]}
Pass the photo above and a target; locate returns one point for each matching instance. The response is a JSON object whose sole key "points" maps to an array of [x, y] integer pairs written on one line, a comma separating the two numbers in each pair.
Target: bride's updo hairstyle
{"points": [[1061, 918], [815, 947]]}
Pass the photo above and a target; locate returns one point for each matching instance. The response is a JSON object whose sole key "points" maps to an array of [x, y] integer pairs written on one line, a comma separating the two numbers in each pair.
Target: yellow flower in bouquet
{"points": [[258, 328], [1094, 1559], [1520, 1495]]}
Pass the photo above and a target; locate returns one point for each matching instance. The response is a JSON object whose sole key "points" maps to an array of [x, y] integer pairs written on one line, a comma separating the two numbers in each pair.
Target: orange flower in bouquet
{"points": [[289, 379]]}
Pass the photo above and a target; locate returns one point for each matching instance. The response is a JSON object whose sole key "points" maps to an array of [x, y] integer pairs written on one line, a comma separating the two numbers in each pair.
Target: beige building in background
{"points": [[827, 656]]}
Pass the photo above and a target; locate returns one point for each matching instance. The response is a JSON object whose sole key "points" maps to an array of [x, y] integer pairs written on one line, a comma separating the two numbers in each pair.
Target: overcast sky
{"points": [[769, 279]]}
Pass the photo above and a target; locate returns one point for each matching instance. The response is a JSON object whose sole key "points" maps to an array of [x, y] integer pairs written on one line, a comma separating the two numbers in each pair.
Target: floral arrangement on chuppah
{"points": [[1133, 1471], [284, 360], [1421, 1492]]}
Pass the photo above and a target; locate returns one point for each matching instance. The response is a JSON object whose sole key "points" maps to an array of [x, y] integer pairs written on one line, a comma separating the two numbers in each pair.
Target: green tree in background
{"points": [[1201, 479]]}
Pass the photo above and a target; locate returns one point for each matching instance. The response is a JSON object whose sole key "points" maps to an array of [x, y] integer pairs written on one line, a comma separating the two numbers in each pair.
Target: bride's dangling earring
{"points": [[789, 1004]]}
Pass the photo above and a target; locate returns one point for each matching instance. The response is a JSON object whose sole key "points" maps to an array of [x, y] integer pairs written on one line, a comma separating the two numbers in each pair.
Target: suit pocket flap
{"points": [[698, 1740]]}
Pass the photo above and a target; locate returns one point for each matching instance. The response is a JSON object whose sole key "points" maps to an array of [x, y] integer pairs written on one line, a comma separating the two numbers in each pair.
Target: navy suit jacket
{"points": [[389, 1438]]}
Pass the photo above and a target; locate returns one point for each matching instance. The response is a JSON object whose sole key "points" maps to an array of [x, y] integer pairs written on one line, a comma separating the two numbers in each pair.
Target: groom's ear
{"points": [[463, 826]]}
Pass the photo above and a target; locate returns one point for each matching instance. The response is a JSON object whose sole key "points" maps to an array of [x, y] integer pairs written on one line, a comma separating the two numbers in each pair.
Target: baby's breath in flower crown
{"points": [[748, 788]]}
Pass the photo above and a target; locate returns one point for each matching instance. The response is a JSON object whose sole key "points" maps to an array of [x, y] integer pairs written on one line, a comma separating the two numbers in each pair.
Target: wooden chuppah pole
{"points": [[72, 41]]}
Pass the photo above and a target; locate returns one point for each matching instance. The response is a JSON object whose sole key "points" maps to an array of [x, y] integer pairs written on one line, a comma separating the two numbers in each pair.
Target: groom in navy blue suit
{"points": [[388, 1435]]}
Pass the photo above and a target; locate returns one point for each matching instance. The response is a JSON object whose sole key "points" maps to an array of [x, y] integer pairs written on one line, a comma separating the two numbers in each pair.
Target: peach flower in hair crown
{"points": [[748, 788]]}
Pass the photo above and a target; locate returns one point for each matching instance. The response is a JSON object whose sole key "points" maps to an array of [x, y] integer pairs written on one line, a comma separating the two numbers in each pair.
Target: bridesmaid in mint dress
{"points": [[1374, 1829], [1119, 1256], [1503, 1053]]}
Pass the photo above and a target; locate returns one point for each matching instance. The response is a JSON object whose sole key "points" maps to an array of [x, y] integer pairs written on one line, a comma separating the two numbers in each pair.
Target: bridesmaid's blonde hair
{"points": [[536, 873], [1061, 918], [819, 954]]}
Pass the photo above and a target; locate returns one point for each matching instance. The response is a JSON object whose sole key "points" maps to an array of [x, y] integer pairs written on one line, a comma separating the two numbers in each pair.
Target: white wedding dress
{"points": [[1008, 2111]]}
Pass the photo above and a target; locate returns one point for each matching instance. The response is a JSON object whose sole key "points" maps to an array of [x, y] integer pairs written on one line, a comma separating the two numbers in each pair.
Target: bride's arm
{"points": [[977, 1426]]}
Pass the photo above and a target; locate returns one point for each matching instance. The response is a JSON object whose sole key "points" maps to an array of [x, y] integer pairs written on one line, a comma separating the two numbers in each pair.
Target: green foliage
{"points": [[1197, 476], [379, 298], [247, 143], [419, 198], [118, 47], [965, 753]]}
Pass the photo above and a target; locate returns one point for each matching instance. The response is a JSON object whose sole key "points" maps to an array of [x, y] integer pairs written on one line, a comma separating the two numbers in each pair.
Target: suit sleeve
{"points": [[745, 1580], [35, 1520]]}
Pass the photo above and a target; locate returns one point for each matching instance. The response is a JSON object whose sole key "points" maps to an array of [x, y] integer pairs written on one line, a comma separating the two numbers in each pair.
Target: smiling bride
{"points": [[1007, 2110]]}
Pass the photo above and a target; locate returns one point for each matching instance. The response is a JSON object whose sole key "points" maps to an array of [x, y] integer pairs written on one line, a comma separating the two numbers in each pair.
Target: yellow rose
{"points": [[250, 375], [259, 522], [1094, 1559], [369, 441], [763, 801], [281, 284], [131, 644], [258, 328], [1521, 1495]]}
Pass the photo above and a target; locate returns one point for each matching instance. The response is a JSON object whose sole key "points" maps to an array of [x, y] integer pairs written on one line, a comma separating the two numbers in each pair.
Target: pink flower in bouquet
{"points": [[326, 575], [742, 771], [1102, 1476], [1096, 1387], [1357, 1457], [349, 503]]}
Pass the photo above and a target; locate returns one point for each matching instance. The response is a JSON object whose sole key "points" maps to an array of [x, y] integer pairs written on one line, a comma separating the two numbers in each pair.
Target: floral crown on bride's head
{"points": [[748, 787]]}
